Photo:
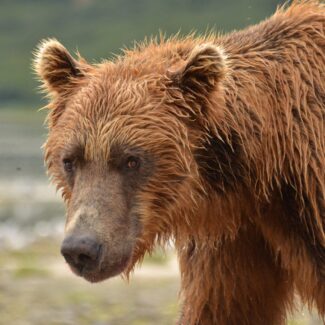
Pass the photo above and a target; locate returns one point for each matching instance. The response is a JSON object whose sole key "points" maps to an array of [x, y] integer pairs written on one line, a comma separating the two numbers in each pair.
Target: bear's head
{"points": [[121, 147]]}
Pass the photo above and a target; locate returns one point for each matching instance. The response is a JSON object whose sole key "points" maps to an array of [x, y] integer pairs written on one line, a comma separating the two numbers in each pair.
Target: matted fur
{"points": [[236, 124]]}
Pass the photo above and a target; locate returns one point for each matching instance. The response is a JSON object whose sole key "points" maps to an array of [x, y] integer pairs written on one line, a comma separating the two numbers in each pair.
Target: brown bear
{"points": [[216, 143]]}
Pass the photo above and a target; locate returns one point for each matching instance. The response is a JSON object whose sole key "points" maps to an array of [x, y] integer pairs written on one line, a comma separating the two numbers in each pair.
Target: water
{"points": [[29, 205]]}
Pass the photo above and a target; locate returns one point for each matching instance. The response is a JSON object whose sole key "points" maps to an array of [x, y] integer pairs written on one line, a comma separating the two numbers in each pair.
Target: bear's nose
{"points": [[81, 251]]}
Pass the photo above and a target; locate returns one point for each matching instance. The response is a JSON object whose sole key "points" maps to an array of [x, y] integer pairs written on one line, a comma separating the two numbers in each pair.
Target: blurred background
{"points": [[36, 286]]}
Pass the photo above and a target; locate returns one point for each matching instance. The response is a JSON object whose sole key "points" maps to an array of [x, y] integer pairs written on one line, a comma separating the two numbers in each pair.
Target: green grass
{"points": [[30, 271]]}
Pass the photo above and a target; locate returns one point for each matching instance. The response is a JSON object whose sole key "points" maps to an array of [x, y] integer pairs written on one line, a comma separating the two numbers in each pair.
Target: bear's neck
{"points": [[239, 164]]}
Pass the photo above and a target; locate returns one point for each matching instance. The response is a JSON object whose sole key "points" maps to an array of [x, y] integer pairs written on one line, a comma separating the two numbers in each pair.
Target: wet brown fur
{"points": [[235, 127]]}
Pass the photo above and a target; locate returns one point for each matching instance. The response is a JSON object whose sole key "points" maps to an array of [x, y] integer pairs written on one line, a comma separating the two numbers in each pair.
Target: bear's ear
{"points": [[56, 68], [204, 68]]}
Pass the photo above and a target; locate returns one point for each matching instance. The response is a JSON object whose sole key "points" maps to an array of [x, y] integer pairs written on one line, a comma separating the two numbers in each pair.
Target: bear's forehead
{"points": [[127, 120], [108, 96], [97, 140], [110, 108]]}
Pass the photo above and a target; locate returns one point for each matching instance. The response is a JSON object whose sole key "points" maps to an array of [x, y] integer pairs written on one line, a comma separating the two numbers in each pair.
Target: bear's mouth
{"points": [[105, 270]]}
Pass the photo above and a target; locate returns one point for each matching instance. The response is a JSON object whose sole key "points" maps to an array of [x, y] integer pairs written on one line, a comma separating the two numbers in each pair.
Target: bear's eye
{"points": [[133, 162], [68, 165]]}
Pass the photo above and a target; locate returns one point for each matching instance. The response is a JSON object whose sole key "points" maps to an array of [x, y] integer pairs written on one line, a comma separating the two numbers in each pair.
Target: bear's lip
{"points": [[104, 271]]}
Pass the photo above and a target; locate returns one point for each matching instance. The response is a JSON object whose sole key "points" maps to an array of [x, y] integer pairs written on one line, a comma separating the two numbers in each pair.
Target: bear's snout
{"points": [[82, 252]]}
